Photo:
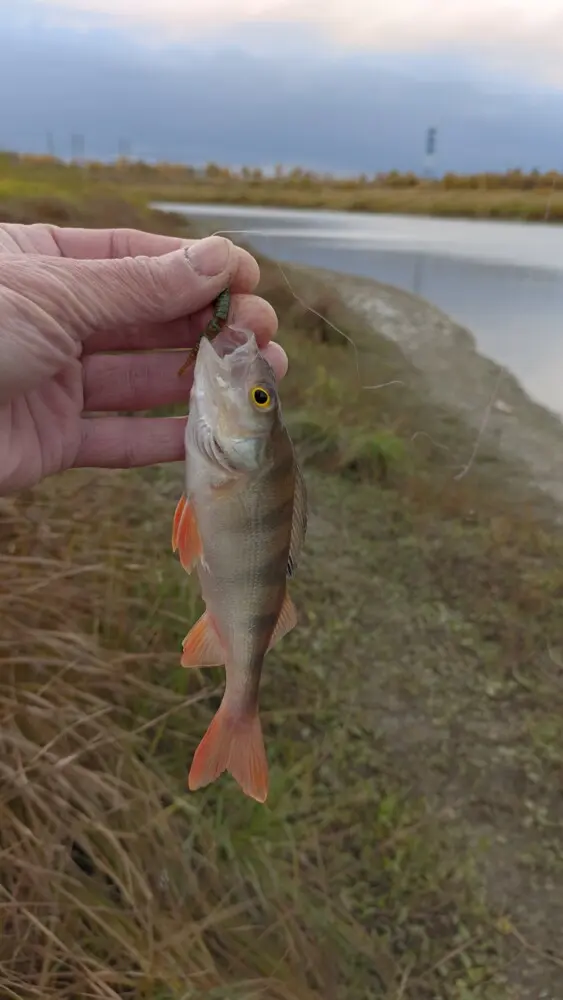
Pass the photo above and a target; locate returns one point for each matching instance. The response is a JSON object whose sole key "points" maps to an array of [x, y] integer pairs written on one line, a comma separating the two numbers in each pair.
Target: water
{"points": [[502, 280]]}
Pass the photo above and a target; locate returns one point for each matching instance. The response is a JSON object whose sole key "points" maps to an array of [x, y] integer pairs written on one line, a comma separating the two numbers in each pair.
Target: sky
{"points": [[343, 85], [502, 31]]}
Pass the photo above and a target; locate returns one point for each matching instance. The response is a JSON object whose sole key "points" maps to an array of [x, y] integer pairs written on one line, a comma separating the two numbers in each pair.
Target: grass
{"points": [[524, 206], [489, 196], [412, 721]]}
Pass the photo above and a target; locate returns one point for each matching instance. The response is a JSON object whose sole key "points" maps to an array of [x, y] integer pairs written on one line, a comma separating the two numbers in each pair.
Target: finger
{"points": [[184, 332], [277, 358], [129, 442], [144, 381], [135, 381], [100, 244], [114, 244], [100, 294], [249, 311]]}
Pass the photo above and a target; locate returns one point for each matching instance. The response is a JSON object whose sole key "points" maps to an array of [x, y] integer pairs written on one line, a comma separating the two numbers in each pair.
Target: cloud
{"points": [[291, 100], [505, 32]]}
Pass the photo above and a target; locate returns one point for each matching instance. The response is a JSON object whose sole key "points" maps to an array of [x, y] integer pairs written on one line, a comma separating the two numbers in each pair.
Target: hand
{"points": [[69, 296]]}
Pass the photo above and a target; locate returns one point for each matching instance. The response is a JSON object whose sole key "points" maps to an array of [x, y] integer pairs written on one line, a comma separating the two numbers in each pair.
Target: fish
{"points": [[241, 524]]}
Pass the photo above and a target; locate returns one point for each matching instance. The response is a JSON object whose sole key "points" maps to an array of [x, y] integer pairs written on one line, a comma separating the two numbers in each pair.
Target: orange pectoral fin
{"points": [[235, 744], [201, 647], [286, 621], [177, 518], [185, 536]]}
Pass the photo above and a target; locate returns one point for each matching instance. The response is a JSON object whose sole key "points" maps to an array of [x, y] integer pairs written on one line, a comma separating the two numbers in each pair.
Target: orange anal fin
{"points": [[286, 621], [201, 647], [185, 536], [234, 744]]}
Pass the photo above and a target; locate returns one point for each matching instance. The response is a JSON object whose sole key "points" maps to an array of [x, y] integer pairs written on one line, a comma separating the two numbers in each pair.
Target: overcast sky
{"points": [[347, 85], [505, 31]]}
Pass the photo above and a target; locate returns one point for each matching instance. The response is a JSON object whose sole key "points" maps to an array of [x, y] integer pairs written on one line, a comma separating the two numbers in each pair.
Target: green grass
{"points": [[411, 722]]}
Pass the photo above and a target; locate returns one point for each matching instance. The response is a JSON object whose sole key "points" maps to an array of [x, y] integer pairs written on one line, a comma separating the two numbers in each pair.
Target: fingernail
{"points": [[209, 256]]}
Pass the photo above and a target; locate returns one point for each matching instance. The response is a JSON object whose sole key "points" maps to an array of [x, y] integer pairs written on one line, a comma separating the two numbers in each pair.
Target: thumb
{"points": [[109, 293]]}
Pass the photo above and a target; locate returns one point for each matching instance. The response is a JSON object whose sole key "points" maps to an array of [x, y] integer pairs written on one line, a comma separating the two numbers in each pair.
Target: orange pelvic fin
{"points": [[201, 647], [286, 621], [185, 536], [233, 743]]}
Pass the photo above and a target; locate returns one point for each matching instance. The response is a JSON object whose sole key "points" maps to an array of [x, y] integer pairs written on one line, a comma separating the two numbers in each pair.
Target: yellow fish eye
{"points": [[260, 397]]}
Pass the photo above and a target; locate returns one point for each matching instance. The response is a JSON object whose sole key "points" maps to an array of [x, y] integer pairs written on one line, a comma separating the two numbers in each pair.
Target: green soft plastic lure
{"points": [[215, 325]]}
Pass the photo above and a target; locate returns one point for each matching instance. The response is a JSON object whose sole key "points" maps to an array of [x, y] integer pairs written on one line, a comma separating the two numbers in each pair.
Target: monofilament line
{"points": [[308, 308], [483, 427]]}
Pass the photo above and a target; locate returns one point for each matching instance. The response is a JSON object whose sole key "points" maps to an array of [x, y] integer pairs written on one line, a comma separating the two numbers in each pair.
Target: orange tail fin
{"points": [[233, 743]]}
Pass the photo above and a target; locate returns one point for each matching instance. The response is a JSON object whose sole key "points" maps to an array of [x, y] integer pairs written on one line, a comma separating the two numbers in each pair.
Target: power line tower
{"points": [[50, 144]]}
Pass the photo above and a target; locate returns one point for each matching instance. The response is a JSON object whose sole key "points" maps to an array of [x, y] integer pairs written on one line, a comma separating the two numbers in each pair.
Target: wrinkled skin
{"points": [[69, 295]]}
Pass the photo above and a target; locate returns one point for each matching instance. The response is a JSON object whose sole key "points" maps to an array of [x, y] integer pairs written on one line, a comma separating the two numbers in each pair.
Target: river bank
{"points": [[487, 396], [430, 199]]}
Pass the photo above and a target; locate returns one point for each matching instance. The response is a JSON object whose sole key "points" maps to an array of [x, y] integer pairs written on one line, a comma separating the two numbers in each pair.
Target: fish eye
{"points": [[260, 397]]}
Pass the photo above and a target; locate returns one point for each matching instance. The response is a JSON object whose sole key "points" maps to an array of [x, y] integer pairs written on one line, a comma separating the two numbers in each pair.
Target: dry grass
{"points": [[25, 180], [526, 206], [115, 883], [427, 610], [99, 210]]}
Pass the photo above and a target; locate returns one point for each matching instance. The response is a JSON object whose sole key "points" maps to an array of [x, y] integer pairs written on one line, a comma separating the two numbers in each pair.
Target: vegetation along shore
{"points": [[533, 197], [410, 848]]}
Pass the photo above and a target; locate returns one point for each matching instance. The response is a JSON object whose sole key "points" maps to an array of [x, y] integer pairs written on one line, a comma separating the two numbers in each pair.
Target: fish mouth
{"points": [[230, 354], [234, 340]]}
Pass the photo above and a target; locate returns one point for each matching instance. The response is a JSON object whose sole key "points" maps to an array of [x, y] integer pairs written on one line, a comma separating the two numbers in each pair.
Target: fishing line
{"points": [[483, 427], [488, 409], [309, 308]]}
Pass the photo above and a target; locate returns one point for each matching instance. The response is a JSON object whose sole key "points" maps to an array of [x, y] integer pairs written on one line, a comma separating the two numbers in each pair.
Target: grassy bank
{"points": [[488, 196], [412, 721], [534, 206]]}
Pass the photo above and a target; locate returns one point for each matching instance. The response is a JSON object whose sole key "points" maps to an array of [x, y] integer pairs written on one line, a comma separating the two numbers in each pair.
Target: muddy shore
{"points": [[488, 397]]}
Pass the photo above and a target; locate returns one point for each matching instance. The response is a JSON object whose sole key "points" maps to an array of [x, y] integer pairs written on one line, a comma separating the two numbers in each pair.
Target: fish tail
{"points": [[233, 743]]}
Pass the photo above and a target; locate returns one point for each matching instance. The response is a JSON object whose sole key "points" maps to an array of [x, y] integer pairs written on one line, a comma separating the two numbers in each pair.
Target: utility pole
{"points": [[77, 146], [430, 151], [124, 149], [50, 144]]}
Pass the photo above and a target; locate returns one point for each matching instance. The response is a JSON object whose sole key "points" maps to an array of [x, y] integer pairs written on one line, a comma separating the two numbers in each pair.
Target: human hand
{"points": [[70, 296]]}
